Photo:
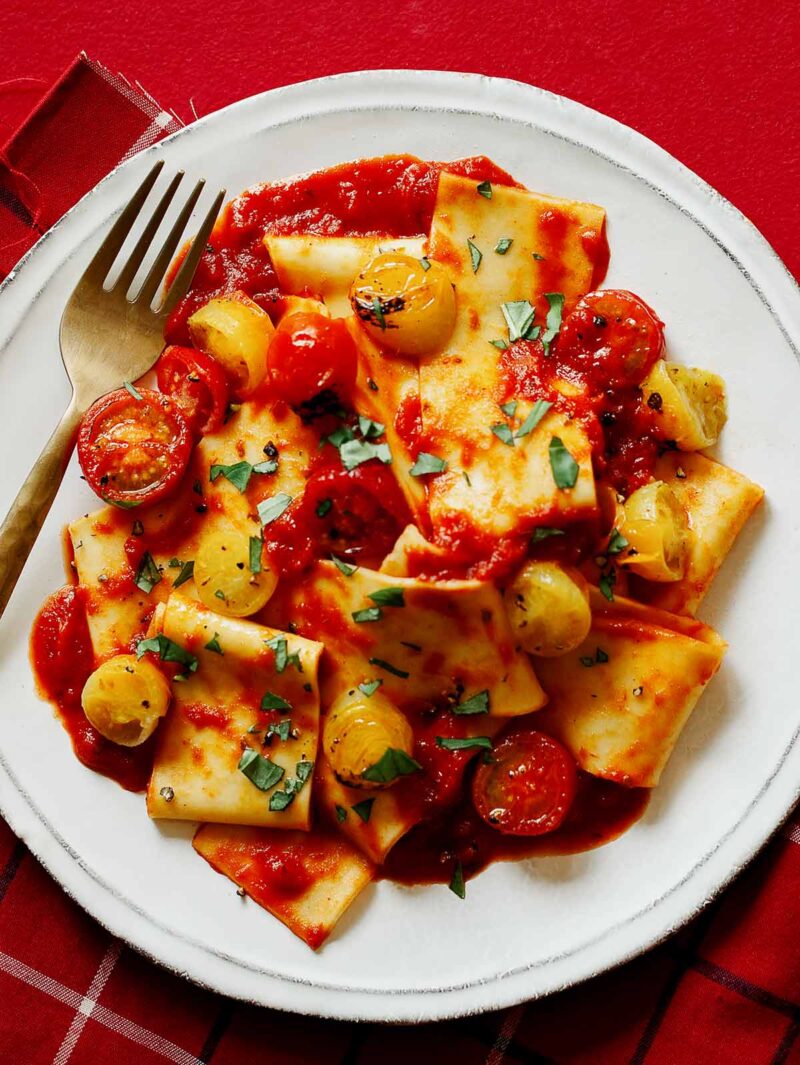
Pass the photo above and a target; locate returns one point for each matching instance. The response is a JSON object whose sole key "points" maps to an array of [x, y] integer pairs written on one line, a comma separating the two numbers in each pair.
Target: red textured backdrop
{"points": [[716, 82]]}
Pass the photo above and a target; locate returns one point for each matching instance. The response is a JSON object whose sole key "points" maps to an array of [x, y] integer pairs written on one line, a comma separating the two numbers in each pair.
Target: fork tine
{"points": [[136, 257], [183, 278], [104, 258], [155, 275]]}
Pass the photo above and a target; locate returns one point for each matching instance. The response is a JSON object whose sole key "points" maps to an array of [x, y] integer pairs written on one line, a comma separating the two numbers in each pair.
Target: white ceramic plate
{"points": [[525, 928]]}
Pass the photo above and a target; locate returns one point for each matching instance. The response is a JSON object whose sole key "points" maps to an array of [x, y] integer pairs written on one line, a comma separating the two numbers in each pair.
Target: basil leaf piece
{"points": [[476, 704], [214, 645], [363, 809], [303, 770], [133, 391], [425, 263], [456, 884], [427, 463], [485, 189], [587, 660], [272, 508], [381, 664], [278, 645], [519, 316], [535, 415], [616, 543], [370, 687], [503, 432], [137, 529], [509, 408], [466, 478], [600, 655], [271, 701], [238, 474], [501, 345], [279, 800], [254, 561], [565, 468], [370, 429], [187, 571], [377, 310], [476, 255], [369, 613], [388, 597], [340, 436], [465, 744], [553, 321], [392, 764], [261, 771], [502, 246], [281, 729], [341, 813], [148, 574], [606, 585], [324, 507], [539, 258], [220, 595], [354, 452], [543, 532], [168, 651], [343, 567], [269, 466]]}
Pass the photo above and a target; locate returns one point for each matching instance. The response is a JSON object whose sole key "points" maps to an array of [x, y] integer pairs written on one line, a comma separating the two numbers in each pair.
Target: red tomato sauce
{"points": [[62, 657]]}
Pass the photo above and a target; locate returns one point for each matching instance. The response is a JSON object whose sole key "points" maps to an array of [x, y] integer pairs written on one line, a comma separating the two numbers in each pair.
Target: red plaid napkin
{"points": [[726, 988]]}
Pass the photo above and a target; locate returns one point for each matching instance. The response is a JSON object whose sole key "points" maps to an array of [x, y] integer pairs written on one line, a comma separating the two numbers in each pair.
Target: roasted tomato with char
{"points": [[134, 446], [198, 385]]}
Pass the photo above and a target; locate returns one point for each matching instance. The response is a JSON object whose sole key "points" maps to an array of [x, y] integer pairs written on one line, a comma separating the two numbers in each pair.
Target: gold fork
{"points": [[106, 339]]}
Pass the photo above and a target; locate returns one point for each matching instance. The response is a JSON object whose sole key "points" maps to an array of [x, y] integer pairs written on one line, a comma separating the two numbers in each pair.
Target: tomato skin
{"points": [[528, 787], [198, 385], [134, 451], [610, 340], [311, 354]]}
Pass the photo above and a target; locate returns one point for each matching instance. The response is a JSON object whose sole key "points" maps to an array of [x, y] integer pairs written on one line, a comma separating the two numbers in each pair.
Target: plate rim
{"points": [[487, 96]]}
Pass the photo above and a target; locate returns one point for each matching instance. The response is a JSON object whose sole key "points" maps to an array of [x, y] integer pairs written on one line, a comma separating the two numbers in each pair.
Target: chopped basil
{"points": [[485, 189], [370, 429], [425, 263], [476, 255], [214, 645], [279, 646], [392, 764], [411, 646], [503, 432], [340, 436], [539, 258], [133, 391], [466, 478], [509, 408], [553, 322], [343, 567], [354, 452], [600, 655], [502, 246], [456, 884], [220, 595], [372, 385], [519, 316], [465, 744], [535, 415], [270, 466], [279, 800], [543, 532], [427, 463], [501, 344], [238, 473], [271, 701], [187, 571], [148, 574], [388, 597], [370, 687], [341, 813], [168, 651], [363, 809], [616, 542], [606, 585], [137, 529], [476, 704], [599, 658], [377, 310], [254, 561], [565, 468], [381, 664], [272, 508], [587, 660], [369, 613], [324, 507], [281, 729], [261, 771]]}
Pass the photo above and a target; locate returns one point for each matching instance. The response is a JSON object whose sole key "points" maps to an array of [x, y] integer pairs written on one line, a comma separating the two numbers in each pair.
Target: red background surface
{"points": [[715, 82]]}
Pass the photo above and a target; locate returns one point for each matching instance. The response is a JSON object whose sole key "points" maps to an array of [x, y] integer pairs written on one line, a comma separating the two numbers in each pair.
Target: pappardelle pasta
{"points": [[401, 542]]}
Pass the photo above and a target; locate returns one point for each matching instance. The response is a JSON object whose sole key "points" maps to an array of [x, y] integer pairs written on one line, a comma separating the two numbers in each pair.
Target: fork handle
{"points": [[24, 520]]}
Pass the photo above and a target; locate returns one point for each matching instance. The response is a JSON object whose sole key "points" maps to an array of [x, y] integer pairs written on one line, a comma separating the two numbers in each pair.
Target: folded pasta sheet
{"points": [[508, 486], [620, 700], [248, 680], [305, 879], [718, 501]]}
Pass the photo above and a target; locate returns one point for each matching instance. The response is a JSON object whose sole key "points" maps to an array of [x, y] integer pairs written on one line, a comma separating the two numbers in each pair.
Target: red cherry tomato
{"points": [[198, 385], [611, 339], [134, 451], [311, 354], [528, 787]]}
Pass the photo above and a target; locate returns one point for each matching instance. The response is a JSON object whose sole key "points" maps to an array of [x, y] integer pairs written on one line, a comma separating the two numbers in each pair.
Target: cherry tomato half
{"points": [[134, 451], [611, 339], [198, 385], [310, 354], [528, 787]]}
